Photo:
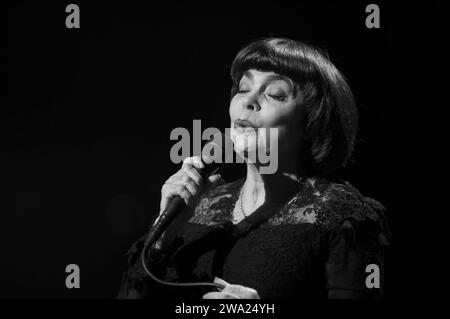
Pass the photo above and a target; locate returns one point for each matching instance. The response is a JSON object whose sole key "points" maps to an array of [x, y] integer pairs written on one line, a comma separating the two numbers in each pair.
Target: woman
{"points": [[290, 234]]}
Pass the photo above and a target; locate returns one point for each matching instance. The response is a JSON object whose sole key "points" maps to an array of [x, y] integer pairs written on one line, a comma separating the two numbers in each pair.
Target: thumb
{"points": [[215, 179], [217, 280]]}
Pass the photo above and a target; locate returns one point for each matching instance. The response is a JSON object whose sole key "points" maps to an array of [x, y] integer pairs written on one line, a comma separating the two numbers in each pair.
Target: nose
{"points": [[251, 103]]}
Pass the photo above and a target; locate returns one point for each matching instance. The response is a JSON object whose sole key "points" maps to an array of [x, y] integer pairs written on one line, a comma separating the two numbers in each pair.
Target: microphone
{"points": [[177, 204]]}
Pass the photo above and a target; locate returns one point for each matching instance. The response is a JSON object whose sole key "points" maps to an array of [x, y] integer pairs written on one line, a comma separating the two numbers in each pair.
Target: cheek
{"points": [[273, 117], [233, 109], [289, 129]]}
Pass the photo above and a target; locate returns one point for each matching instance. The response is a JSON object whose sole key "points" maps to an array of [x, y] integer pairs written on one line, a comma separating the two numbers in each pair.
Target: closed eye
{"points": [[281, 98]]}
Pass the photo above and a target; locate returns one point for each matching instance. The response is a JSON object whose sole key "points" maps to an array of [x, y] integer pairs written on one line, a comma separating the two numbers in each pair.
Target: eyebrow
{"points": [[272, 77], [275, 77]]}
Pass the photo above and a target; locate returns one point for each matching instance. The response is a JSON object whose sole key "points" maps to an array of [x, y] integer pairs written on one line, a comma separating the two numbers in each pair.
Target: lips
{"points": [[244, 124]]}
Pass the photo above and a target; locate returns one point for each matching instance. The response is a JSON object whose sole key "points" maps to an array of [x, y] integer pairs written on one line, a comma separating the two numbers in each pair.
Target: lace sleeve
{"points": [[358, 236], [352, 247]]}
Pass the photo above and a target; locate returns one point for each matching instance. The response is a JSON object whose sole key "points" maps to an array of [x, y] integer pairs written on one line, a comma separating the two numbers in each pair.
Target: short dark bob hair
{"points": [[331, 115]]}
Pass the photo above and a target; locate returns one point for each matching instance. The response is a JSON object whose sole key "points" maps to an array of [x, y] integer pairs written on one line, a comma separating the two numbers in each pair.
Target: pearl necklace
{"points": [[240, 203]]}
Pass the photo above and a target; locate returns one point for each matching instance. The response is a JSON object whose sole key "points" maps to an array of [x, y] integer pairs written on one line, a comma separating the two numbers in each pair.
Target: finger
{"points": [[215, 179], [218, 280], [164, 200], [219, 295], [184, 193], [241, 291], [194, 161], [212, 181], [166, 195], [188, 183], [207, 159], [193, 174], [175, 190]]}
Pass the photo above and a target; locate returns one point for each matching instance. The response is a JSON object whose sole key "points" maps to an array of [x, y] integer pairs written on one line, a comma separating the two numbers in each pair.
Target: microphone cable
{"points": [[173, 284]]}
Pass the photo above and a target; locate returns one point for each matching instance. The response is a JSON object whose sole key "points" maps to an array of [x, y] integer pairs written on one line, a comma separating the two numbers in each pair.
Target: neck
{"points": [[270, 188]]}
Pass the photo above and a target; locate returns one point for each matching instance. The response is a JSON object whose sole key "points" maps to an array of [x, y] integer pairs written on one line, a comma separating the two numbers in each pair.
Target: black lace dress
{"points": [[317, 245]]}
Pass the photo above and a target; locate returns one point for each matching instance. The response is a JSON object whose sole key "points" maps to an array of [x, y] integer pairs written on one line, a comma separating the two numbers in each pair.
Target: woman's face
{"points": [[266, 100]]}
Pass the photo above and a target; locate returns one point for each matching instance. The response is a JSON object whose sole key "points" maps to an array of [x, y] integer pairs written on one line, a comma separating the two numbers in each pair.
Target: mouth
{"points": [[244, 125]]}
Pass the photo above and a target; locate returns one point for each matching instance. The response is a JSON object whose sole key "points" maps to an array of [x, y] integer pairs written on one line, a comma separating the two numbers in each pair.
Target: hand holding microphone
{"points": [[187, 184], [183, 188], [179, 195]]}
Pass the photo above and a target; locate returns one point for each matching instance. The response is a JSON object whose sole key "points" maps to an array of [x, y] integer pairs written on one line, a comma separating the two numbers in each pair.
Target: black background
{"points": [[85, 128]]}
